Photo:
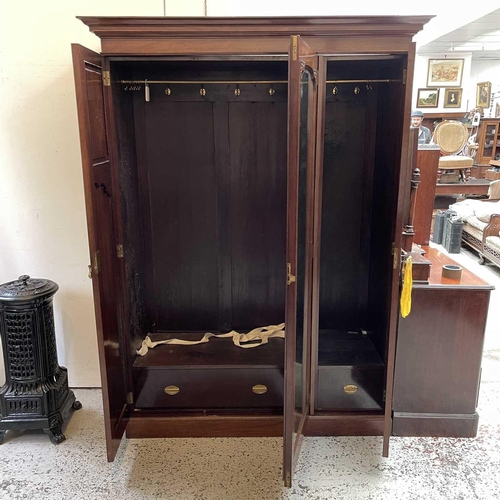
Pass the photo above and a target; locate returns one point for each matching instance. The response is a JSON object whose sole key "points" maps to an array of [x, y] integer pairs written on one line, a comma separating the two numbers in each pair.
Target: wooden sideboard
{"points": [[438, 361]]}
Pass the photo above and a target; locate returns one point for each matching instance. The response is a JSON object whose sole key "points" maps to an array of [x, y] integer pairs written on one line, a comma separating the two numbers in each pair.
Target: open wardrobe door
{"points": [[302, 66], [101, 201], [400, 118]]}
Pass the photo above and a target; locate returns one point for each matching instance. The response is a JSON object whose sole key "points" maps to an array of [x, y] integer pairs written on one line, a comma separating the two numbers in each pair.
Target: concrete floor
{"points": [[345, 468]]}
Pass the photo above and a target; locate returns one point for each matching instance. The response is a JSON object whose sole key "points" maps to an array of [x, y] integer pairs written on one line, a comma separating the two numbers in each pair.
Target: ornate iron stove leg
{"points": [[55, 434]]}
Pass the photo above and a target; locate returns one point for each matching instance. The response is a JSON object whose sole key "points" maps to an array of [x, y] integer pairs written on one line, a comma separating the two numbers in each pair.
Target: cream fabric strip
{"points": [[263, 334]]}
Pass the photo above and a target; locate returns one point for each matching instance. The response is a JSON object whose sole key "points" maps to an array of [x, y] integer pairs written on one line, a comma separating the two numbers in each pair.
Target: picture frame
{"points": [[445, 72], [427, 98], [452, 98], [483, 94]]}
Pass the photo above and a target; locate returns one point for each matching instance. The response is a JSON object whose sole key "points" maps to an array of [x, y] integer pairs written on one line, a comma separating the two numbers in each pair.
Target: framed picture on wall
{"points": [[452, 98], [483, 94], [445, 72], [427, 98]]}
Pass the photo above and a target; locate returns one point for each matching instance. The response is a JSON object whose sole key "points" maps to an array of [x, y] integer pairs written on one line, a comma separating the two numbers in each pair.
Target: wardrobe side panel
{"points": [[386, 182], [133, 228]]}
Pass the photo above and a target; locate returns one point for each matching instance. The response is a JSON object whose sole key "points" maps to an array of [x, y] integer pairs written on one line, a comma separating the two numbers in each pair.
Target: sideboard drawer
{"points": [[350, 387], [194, 388]]}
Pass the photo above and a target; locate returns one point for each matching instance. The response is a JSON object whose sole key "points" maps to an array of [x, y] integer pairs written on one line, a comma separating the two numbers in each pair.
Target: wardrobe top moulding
{"points": [[122, 36]]}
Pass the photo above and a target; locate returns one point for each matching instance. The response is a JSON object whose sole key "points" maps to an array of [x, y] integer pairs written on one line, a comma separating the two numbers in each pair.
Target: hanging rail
{"points": [[363, 81], [236, 82], [199, 82]]}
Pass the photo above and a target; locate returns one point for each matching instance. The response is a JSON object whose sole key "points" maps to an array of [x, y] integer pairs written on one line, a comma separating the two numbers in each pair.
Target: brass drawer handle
{"points": [[259, 389], [172, 390], [350, 389]]}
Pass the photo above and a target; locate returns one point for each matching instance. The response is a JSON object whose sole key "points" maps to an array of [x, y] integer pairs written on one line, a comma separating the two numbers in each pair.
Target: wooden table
{"points": [[472, 186]]}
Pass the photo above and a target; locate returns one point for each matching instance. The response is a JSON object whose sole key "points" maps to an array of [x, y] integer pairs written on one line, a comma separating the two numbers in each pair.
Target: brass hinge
{"points": [[395, 256], [119, 251], [290, 278], [96, 268], [106, 79], [130, 398], [295, 48], [404, 76], [288, 482]]}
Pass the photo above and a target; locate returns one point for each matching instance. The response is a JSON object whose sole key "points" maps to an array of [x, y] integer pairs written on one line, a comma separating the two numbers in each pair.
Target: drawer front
{"points": [[350, 387], [209, 388]]}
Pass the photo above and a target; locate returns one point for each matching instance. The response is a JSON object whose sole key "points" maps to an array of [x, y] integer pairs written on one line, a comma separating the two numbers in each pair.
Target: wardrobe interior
{"points": [[358, 201], [202, 167]]}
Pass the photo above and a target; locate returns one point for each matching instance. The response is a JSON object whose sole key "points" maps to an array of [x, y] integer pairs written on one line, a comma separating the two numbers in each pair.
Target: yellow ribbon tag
{"points": [[407, 286]]}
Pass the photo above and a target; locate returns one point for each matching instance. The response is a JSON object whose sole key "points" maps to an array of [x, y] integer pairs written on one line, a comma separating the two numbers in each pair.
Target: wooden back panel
{"points": [[345, 237], [213, 196]]}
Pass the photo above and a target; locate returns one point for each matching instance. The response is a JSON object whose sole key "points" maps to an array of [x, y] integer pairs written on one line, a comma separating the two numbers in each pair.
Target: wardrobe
{"points": [[243, 173]]}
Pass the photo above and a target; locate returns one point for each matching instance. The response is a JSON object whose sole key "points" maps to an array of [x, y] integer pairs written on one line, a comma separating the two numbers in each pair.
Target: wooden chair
{"points": [[454, 165]]}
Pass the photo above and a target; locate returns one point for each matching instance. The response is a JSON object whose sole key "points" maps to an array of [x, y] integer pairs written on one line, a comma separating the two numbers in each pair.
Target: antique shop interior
{"points": [[250, 251]]}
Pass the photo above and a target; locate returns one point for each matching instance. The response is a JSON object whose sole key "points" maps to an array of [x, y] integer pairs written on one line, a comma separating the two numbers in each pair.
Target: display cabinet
{"points": [[241, 173], [488, 138]]}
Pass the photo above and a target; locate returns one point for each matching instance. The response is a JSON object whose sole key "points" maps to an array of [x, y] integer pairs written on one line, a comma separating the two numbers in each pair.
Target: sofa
{"points": [[481, 229]]}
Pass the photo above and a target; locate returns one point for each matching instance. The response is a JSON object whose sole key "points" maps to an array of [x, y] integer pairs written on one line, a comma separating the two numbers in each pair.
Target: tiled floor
{"points": [[205, 469]]}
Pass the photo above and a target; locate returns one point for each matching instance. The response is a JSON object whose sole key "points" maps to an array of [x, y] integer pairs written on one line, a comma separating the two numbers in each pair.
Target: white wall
{"points": [[475, 71], [320, 8], [42, 215], [486, 71], [420, 82]]}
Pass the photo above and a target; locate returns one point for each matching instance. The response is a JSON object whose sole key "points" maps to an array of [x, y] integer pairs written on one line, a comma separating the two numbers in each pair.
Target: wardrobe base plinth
{"points": [[435, 424]]}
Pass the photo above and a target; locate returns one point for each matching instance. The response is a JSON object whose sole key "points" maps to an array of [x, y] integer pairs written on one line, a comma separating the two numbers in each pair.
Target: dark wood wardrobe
{"points": [[243, 173]]}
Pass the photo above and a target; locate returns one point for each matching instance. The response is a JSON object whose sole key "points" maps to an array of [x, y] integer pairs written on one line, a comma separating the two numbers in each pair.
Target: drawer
{"points": [[350, 387], [208, 388]]}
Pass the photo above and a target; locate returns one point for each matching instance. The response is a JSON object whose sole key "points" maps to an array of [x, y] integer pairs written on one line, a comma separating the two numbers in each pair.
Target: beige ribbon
{"points": [[263, 334]]}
